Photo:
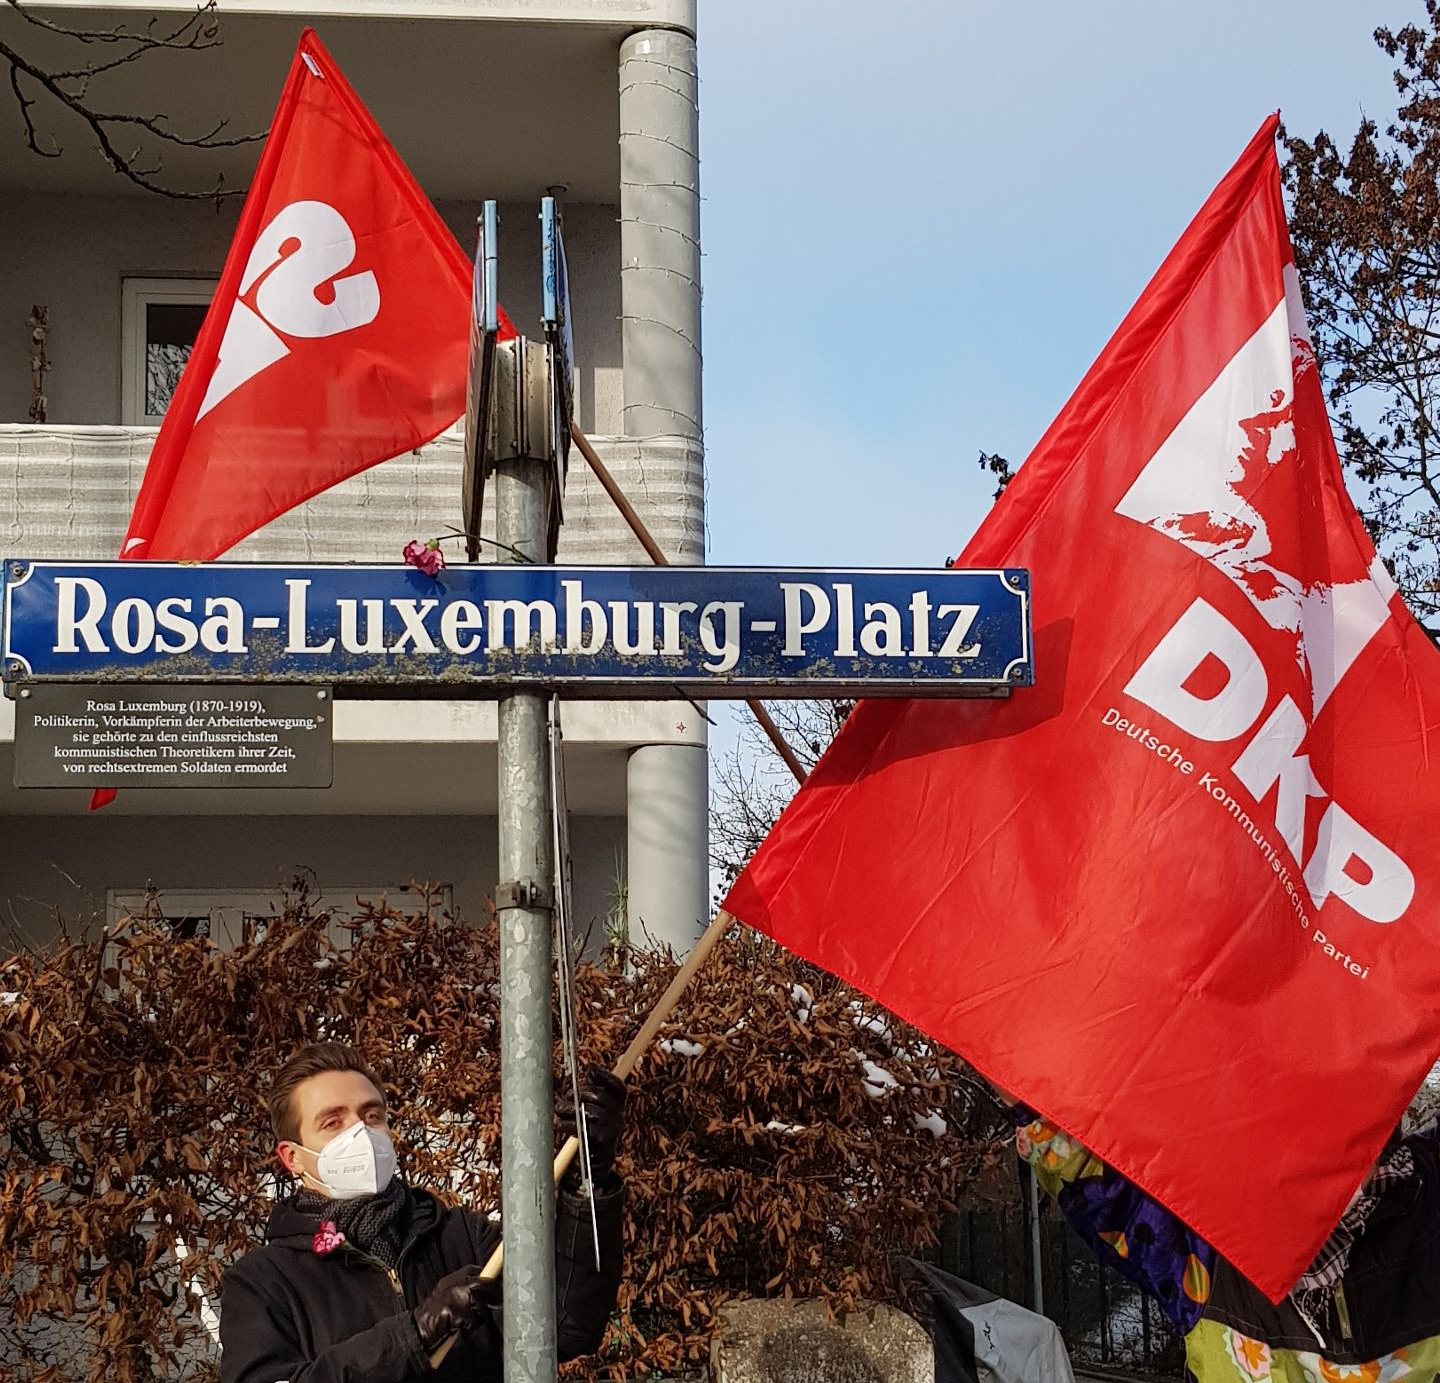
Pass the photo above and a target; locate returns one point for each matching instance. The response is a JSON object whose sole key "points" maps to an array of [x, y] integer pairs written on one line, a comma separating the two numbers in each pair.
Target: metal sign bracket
{"points": [[523, 893]]}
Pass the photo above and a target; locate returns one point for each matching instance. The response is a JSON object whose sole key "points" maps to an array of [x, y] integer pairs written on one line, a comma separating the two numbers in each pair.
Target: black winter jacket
{"points": [[290, 1315]]}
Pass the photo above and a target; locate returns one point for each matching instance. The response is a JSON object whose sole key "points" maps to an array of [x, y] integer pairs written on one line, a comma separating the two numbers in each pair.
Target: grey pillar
{"points": [[667, 845], [667, 800], [660, 234]]}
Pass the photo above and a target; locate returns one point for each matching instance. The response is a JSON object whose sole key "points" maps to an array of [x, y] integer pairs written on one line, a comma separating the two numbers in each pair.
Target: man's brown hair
{"points": [[309, 1061]]}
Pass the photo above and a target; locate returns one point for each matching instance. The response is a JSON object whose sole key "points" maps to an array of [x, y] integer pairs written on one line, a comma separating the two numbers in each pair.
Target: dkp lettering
{"points": [[1383, 886]]}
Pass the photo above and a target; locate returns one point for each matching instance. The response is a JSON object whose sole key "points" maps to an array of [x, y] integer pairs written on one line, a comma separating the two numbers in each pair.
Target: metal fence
{"points": [[1106, 1322]]}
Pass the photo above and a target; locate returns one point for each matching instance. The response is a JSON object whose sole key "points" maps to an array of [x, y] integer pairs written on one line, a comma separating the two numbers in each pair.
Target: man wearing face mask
{"points": [[362, 1276]]}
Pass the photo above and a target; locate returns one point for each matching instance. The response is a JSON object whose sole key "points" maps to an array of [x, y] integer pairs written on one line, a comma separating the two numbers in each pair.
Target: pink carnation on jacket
{"points": [[328, 1238]]}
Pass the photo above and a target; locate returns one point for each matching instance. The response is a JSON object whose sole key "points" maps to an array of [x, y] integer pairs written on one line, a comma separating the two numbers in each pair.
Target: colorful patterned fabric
{"points": [[1134, 1234], [1216, 1353], [1377, 1321]]}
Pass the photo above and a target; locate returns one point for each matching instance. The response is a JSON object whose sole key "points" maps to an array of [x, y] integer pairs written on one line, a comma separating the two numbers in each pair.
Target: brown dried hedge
{"points": [[763, 1156]]}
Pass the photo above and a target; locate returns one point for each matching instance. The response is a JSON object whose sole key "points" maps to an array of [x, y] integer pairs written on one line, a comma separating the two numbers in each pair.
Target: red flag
{"points": [[1182, 895], [338, 336]]}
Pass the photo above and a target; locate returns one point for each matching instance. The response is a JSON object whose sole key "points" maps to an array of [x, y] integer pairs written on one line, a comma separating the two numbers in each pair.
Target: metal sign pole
{"points": [[524, 904], [509, 425]]}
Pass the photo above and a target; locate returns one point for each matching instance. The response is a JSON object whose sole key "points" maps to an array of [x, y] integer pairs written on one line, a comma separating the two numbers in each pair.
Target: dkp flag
{"points": [[1184, 896]]}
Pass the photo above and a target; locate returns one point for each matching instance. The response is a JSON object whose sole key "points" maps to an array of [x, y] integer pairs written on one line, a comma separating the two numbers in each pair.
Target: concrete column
{"points": [[667, 842], [660, 234], [668, 785]]}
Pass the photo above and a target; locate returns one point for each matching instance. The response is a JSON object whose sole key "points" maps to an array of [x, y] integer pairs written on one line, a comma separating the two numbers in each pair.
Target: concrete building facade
{"points": [[482, 98]]}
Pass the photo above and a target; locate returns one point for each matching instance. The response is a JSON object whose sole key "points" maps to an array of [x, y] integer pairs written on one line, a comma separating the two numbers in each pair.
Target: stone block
{"points": [[777, 1341]]}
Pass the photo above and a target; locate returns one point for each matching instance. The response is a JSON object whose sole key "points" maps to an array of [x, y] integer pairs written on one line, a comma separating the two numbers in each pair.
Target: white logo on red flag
{"points": [[1228, 484], [292, 430], [299, 254]]}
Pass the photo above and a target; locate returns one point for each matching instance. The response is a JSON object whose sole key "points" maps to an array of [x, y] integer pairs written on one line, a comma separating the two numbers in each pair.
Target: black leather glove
{"points": [[458, 1302], [602, 1094]]}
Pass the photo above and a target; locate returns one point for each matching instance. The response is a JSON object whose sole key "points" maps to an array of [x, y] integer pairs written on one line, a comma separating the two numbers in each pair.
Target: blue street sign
{"points": [[479, 384], [555, 314], [487, 271], [484, 630]]}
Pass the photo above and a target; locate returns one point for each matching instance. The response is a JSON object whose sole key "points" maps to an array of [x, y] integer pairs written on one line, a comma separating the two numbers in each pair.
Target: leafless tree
{"points": [[1365, 217], [752, 783], [44, 87]]}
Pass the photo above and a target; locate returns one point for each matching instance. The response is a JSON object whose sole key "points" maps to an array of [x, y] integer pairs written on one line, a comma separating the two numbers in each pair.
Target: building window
{"points": [[188, 928], [160, 319], [231, 916]]}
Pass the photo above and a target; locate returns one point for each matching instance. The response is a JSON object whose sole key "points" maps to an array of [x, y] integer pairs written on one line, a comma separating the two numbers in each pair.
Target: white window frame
{"points": [[136, 294], [227, 907]]}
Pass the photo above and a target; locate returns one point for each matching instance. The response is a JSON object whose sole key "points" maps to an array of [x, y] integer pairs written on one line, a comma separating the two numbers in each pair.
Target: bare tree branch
{"points": [[753, 785], [119, 34], [1365, 220], [26, 103], [69, 87]]}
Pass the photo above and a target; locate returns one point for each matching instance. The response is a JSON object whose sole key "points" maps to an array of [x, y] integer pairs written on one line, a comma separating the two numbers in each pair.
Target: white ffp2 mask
{"points": [[358, 1162]]}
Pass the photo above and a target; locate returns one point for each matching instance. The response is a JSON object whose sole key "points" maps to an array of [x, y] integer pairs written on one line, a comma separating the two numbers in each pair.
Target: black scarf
{"points": [[373, 1224]]}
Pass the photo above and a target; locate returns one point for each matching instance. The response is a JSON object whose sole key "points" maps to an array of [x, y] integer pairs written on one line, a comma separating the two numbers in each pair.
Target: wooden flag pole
{"points": [[611, 487], [652, 548], [639, 1044]]}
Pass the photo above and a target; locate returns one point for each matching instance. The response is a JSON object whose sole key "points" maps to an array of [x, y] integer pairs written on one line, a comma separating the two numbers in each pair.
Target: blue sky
{"points": [[923, 220]]}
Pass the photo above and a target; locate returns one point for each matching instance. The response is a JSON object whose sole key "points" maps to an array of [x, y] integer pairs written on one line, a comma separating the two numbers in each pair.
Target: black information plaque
{"points": [[169, 736]]}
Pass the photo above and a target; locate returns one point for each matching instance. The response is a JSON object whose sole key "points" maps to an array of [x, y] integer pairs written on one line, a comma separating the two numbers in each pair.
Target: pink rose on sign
{"points": [[425, 557], [327, 1239]]}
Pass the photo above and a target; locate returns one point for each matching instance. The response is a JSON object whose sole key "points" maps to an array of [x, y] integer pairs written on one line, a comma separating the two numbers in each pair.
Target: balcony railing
{"points": [[67, 493]]}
